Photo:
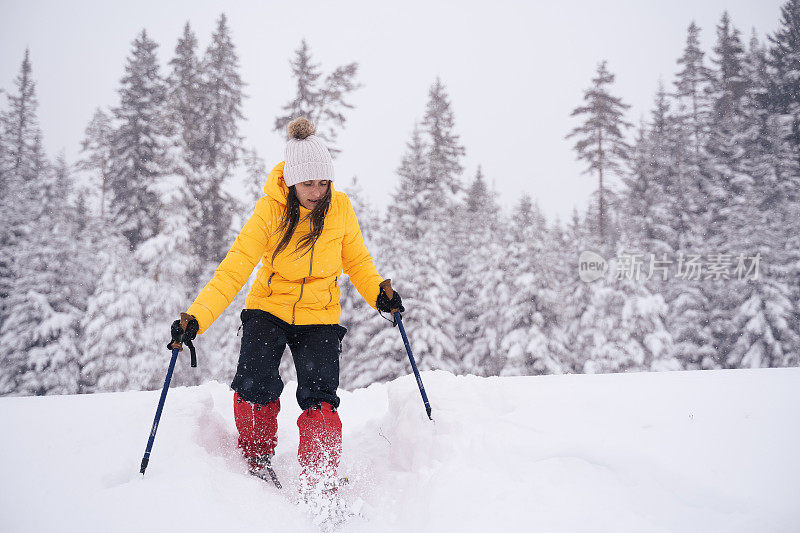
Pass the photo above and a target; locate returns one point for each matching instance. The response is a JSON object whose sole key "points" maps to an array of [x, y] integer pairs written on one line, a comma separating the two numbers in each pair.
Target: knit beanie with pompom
{"points": [[306, 156]]}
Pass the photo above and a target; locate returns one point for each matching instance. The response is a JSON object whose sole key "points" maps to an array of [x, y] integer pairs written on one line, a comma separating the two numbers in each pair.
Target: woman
{"points": [[305, 234]]}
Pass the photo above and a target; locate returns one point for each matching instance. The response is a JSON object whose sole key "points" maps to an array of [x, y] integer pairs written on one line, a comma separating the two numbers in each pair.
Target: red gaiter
{"points": [[257, 425], [320, 443]]}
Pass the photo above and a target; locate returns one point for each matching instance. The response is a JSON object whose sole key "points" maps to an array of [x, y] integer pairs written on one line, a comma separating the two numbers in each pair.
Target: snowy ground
{"points": [[714, 451]]}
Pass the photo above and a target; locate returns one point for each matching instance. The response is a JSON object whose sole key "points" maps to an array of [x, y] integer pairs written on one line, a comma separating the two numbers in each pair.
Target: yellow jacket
{"points": [[301, 287]]}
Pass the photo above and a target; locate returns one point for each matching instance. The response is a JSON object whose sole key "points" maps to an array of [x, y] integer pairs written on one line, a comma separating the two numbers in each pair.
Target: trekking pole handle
{"points": [[386, 285]]}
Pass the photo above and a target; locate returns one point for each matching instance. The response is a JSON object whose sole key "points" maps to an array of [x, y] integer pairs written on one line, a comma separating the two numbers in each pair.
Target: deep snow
{"points": [[710, 451]]}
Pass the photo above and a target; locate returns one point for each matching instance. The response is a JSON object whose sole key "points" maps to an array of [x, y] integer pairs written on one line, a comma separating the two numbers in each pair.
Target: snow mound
{"points": [[711, 451]]}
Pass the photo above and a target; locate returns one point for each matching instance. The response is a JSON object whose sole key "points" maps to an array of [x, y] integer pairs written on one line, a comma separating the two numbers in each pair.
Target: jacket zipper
{"points": [[310, 266], [330, 291], [268, 282]]}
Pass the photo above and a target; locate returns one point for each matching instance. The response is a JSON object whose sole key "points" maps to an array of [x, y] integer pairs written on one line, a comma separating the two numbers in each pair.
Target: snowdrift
{"points": [[711, 451]]}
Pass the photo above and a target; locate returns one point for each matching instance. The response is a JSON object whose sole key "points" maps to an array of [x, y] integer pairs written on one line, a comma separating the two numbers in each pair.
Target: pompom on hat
{"points": [[306, 156]]}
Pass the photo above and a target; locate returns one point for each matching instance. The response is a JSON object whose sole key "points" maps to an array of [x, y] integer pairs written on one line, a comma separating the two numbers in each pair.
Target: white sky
{"points": [[514, 71]]}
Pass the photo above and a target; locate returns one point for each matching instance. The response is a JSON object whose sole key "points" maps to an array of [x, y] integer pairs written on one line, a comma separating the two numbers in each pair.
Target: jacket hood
{"points": [[276, 187]]}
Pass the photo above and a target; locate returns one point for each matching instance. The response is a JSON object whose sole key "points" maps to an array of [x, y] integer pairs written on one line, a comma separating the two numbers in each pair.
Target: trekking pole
{"points": [[413, 364], [148, 449], [176, 347], [387, 287]]}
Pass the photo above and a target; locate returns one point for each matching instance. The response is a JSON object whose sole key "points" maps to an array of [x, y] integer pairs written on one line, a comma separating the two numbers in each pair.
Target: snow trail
{"points": [[698, 451]]}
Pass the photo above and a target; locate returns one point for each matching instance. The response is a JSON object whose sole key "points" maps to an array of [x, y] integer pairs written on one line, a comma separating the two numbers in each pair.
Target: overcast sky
{"points": [[514, 71]]}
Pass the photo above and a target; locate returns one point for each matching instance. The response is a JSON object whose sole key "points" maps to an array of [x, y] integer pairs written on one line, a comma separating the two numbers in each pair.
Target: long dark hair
{"points": [[291, 217]]}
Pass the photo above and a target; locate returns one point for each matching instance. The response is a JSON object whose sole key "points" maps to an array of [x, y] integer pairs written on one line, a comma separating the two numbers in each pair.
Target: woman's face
{"points": [[311, 192]]}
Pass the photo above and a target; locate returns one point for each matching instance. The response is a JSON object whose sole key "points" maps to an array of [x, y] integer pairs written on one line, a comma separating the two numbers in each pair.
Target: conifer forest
{"points": [[699, 247]]}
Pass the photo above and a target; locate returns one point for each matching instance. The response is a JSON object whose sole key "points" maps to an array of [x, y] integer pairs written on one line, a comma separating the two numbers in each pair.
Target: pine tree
{"points": [[419, 272], [784, 62], [307, 98], [531, 312], [112, 325], [763, 315], [97, 147], [623, 329], [256, 175], [727, 80], [411, 209], [223, 90], [4, 164], [476, 229], [138, 145], [165, 260], [665, 155], [23, 166], [576, 294], [41, 332], [324, 104], [185, 97], [357, 363], [725, 182], [693, 118], [600, 140], [444, 147], [691, 88], [222, 103]]}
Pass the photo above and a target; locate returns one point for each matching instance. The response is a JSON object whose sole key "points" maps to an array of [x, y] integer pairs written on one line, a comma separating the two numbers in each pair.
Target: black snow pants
{"points": [[315, 349]]}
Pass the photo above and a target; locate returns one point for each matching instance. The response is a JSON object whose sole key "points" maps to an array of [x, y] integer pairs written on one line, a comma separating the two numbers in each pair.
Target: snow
{"points": [[704, 451]]}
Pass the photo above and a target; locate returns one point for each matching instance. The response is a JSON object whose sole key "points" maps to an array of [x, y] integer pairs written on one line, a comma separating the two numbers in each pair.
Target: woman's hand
{"points": [[389, 300], [183, 330]]}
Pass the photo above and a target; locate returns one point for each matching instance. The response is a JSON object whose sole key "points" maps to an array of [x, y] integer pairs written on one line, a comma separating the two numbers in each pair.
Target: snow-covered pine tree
{"points": [[784, 63], [187, 122], [531, 312], [726, 213], [479, 231], [445, 151], [42, 329], [96, 148], [725, 183], [165, 261], [643, 197], [687, 183], [441, 189], [669, 228], [410, 210], [693, 118], [4, 163], [113, 332], [764, 315], [255, 175], [185, 91], [419, 272], [138, 145], [362, 322], [575, 293], [221, 96], [419, 266], [307, 97], [22, 162], [616, 323], [323, 103], [600, 141], [623, 329], [691, 89], [25, 167]]}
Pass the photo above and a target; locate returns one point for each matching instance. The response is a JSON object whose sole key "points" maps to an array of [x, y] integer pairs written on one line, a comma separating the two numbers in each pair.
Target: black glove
{"points": [[386, 304], [179, 336]]}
